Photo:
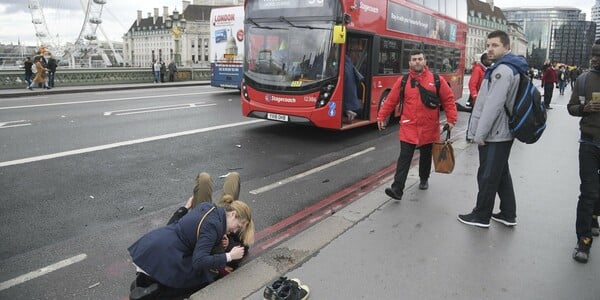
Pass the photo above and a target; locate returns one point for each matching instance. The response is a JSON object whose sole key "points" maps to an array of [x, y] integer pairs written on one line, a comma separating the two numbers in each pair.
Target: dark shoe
{"points": [[470, 219], [595, 227], [145, 293], [423, 185], [548, 107], [293, 290], [272, 289], [500, 218], [391, 193], [582, 250]]}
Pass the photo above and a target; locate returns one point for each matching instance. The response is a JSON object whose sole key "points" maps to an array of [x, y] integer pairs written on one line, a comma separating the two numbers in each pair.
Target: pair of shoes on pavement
{"points": [[473, 220], [286, 289], [582, 250]]}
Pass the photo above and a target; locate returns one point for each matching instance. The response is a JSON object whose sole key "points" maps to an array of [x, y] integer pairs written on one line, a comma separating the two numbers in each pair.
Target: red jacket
{"points": [[419, 125], [477, 75], [549, 76]]}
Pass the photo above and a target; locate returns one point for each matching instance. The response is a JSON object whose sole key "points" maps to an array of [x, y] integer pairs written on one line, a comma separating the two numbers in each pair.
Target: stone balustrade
{"points": [[10, 79]]}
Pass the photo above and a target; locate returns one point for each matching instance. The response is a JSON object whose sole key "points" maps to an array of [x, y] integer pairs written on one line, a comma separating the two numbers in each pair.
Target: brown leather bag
{"points": [[443, 155]]}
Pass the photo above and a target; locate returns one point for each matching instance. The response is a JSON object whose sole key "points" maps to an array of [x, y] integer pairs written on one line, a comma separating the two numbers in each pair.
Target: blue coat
{"points": [[172, 255]]}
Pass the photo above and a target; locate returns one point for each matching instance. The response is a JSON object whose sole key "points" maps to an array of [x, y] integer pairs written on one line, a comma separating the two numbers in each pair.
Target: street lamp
{"points": [[177, 25]]}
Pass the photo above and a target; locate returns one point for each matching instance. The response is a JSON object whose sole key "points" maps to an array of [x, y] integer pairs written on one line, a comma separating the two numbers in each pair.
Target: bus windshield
{"points": [[286, 53]]}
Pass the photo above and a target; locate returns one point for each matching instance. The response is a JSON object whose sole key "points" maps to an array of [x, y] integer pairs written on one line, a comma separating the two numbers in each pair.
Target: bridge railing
{"points": [[10, 79]]}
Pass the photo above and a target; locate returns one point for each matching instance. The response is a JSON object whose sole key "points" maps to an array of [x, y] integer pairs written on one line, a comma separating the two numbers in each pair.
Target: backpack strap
{"points": [[436, 79], [581, 84]]}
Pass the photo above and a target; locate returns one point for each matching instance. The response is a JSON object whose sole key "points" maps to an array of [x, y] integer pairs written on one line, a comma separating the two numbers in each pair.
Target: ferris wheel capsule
{"points": [[96, 21], [100, 2]]}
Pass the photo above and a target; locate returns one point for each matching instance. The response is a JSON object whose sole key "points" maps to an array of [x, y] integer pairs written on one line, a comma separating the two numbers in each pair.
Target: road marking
{"points": [[125, 143], [11, 124], [143, 110], [309, 172], [110, 100], [42, 271]]}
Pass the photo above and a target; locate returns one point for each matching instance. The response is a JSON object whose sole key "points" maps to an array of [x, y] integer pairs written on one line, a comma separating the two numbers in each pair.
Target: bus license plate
{"points": [[277, 117]]}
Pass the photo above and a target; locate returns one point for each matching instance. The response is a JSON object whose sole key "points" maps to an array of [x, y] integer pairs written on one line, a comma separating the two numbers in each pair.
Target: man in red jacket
{"points": [[419, 124], [477, 75], [549, 79]]}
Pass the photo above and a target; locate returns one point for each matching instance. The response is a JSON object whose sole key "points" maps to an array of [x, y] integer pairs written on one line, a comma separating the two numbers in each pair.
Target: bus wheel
{"points": [[389, 118]]}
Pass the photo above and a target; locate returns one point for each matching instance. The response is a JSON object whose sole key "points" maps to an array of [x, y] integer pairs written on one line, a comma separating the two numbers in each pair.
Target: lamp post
{"points": [[176, 23]]}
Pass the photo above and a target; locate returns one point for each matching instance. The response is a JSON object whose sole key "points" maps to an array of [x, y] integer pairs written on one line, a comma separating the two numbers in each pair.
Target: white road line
{"points": [[309, 172], [43, 271], [125, 143], [10, 124], [142, 110], [110, 100]]}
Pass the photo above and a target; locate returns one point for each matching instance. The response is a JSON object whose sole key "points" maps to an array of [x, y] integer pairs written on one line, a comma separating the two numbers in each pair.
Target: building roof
{"points": [[485, 9], [192, 13]]}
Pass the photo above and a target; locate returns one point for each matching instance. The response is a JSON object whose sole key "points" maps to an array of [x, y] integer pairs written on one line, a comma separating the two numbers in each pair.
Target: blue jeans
{"points": [[589, 197], [493, 177], [156, 76], [28, 79]]}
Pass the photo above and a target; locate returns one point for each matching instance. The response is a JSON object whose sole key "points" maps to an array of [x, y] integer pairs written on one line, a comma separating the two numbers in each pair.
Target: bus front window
{"points": [[280, 54]]}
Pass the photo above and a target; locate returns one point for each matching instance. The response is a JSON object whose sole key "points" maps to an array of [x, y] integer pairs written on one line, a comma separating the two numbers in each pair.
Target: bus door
{"points": [[358, 48]]}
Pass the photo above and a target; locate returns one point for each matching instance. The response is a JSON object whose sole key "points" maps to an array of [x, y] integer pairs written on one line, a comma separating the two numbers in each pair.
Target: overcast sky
{"points": [[65, 17]]}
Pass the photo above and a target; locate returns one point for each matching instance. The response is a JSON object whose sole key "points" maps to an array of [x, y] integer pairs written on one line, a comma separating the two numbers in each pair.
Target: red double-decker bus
{"points": [[294, 54]]}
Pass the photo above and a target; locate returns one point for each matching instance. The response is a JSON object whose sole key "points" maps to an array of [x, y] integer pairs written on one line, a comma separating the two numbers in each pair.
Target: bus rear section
{"points": [[226, 46]]}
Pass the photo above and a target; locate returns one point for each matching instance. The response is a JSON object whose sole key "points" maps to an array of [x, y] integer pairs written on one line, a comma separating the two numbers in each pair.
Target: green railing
{"points": [[10, 79]]}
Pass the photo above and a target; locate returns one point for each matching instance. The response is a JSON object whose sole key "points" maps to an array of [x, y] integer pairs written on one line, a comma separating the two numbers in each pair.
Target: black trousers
{"points": [[493, 177], [403, 165], [548, 90], [588, 204]]}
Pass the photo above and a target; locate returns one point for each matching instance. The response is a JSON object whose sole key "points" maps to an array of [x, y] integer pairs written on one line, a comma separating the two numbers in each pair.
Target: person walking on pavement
{"points": [[40, 76], [419, 124], [156, 70], [28, 72], [549, 79], [476, 79], [588, 108], [489, 129], [562, 80], [172, 71], [163, 71], [573, 76], [52, 65]]}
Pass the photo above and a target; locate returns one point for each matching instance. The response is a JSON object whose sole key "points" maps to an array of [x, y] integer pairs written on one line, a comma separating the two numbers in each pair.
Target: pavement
{"points": [[379, 248]]}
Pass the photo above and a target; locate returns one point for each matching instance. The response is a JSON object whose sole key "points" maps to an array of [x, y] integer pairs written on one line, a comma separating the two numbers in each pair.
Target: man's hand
{"points": [[381, 125], [592, 107]]}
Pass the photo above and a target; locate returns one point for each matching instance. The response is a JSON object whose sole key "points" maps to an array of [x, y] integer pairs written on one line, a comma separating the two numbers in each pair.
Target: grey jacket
{"points": [[489, 121]]}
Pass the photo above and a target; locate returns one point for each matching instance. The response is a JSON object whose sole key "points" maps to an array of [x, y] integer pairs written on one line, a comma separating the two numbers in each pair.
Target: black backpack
{"points": [[527, 119]]}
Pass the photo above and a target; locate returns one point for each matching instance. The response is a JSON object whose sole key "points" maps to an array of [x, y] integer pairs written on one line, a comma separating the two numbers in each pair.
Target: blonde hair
{"points": [[244, 214]]}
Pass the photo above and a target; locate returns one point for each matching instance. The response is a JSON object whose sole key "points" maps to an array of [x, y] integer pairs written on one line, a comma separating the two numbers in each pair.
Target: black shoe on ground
{"points": [[500, 218], [595, 227], [293, 290], [391, 193], [423, 185], [271, 290], [582, 250], [472, 220]]}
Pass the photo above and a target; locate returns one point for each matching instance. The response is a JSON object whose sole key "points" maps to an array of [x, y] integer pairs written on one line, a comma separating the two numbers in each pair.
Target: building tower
{"points": [[596, 17]]}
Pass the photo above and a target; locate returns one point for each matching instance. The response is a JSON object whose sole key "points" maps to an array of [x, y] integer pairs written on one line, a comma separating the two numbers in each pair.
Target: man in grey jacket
{"points": [[489, 129]]}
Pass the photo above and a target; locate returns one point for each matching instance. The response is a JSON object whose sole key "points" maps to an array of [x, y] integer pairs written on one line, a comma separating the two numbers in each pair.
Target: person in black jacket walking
{"points": [[586, 107]]}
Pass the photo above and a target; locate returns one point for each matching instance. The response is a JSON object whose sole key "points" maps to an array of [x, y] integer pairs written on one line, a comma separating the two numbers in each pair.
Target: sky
{"points": [[65, 17]]}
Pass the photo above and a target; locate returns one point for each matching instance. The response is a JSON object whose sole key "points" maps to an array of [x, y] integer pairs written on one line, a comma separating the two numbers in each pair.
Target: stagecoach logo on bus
{"points": [[271, 98]]}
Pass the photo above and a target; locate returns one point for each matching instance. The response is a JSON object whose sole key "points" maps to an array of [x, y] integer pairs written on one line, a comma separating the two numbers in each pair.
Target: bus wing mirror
{"points": [[339, 34]]}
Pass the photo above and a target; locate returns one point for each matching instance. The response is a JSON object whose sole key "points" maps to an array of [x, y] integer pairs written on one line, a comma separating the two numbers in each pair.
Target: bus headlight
{"points": [[325, 95], [245, 91]]}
